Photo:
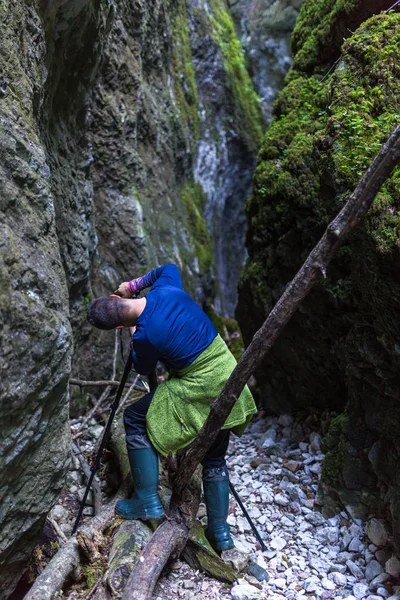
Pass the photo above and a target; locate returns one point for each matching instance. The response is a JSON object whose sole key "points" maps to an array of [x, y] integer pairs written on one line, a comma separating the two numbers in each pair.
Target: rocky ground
{"points": [[275, 468]]}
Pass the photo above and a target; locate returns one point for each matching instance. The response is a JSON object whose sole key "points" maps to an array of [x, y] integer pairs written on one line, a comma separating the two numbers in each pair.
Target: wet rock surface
{"points": [[265, 28]]}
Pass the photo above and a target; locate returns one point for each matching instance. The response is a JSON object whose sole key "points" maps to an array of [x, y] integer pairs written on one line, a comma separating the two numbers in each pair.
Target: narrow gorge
{"points": [[222, 136]]}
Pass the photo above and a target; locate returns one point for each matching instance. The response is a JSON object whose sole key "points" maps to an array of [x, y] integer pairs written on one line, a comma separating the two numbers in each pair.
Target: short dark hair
{"points": [[106, 313]]}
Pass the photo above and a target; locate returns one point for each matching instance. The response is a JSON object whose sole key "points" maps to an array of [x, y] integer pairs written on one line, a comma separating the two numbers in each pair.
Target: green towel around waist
{"points": [[181, 404]]}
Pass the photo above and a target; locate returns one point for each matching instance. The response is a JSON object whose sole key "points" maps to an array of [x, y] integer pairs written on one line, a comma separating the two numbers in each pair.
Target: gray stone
{"points": [[281, 499], [355, 544], [267, 439], [381, 578], [360, 590], [337, 568], [257, 571], [59, 512], [315, 442], [311, 584], [277, 543], [354, 569], [285, 420], [245, 591], [392, 566], [188, 584], [327, 584], [377, 532], [373, 569], [382, 555], [338, 578], [315, 518], [280, 582], [327, 535], [237, 559]]}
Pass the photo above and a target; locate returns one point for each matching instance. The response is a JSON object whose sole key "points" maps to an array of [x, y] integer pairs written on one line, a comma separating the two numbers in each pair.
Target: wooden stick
{"points": [[98, 500], [104, 382]]}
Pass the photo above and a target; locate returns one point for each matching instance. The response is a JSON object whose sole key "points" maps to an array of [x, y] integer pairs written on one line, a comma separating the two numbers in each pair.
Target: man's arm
{"points": [[165, 275]]}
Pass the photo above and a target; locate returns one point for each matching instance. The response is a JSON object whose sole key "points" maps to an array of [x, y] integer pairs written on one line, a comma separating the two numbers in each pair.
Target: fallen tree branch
{"points": [[105, 382], [98, 501], [169, 538], [57, 529], [142, 581], [52, 578]]}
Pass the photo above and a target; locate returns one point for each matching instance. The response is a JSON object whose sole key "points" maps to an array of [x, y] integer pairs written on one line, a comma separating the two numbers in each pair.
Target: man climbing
{"points": [[167, 325]]}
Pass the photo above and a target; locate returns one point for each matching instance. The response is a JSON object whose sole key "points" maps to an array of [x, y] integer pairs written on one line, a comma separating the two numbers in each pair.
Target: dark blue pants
{"points": [[135, 424]]}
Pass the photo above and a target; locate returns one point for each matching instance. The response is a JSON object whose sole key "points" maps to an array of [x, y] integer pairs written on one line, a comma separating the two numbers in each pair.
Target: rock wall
{"points": [[35, 334], [265, 28], [123, 123], [341, 348]]}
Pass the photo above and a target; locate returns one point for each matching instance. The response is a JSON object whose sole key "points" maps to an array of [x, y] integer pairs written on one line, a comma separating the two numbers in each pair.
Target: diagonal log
{"points": [[315, 265]]}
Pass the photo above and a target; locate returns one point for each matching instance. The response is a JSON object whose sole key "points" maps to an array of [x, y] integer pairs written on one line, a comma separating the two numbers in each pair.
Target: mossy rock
{"points": [[324, 135], [200, 555], [342, 347]]}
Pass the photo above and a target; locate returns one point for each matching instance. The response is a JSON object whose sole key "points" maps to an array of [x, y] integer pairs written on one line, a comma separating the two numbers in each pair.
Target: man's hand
{"points": [[124, 290]]}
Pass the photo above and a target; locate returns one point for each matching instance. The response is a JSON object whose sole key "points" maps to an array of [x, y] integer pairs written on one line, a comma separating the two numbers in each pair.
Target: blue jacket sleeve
{"points": [[145, 356], [165, 275]]}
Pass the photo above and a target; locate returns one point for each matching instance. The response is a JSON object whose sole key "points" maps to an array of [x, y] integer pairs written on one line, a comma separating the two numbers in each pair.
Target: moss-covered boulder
{"points": [[342, 345]]}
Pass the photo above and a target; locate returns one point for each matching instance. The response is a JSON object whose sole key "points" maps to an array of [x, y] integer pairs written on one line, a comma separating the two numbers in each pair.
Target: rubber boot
{"points": [[145, 503], [216, 494]]}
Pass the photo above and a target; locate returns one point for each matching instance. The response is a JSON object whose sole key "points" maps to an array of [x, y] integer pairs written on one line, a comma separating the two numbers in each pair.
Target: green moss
{"points": [[193, 199], [332, 467], [333, 443], [326, 132], [320, 29], [337, 427], [185, 85], [248, 117], [228, 329], [323, 137], [200, 555]]}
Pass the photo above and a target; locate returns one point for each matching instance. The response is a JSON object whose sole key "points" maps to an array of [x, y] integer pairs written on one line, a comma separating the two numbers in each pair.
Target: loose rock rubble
{"points": [[275, 468]]}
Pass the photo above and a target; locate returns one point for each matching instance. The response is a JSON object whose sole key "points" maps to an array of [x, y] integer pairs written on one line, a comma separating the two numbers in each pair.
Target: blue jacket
{"points": [[172, 327]]}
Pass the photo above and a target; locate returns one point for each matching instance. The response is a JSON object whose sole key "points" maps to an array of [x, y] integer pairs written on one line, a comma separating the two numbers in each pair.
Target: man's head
{"points": [[109, 312]]}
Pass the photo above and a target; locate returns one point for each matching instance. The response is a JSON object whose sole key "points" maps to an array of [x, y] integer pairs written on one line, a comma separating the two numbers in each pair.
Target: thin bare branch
{"points": [[105, 382], [98, 502]]}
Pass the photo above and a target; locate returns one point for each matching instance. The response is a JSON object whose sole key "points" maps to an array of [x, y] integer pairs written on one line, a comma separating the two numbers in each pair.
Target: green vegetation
{"points": [[246, 102], [333, 445], [193, 199], [228, 329], [320, 30], [322, 139], [185, 85]]}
